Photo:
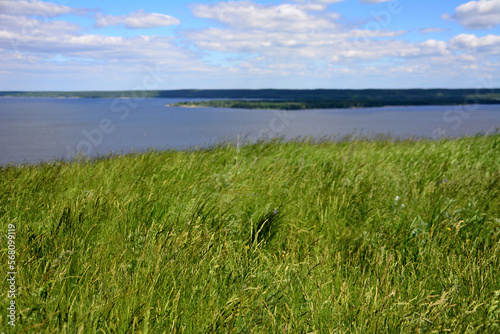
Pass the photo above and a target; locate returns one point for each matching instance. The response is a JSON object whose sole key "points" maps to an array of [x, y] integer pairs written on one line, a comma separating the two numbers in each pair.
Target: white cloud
{"points": [[98, 47], [482, 14], [31, 27], [488, 44], [102, 21], [249, 15], [283, 31], [317, 4], [328, 2], [36, 8], [136, 20], [402, 50], [306, 45], [431, 30], [143, 20], [20, 31], [373, 1]]}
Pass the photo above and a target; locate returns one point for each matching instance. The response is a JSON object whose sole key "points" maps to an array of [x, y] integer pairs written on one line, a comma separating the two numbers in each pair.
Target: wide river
{"points": [[41, 129]]}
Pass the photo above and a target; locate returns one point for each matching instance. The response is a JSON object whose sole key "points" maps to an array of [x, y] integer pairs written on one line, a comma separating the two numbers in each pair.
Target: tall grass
{"points": [[361, 236]]}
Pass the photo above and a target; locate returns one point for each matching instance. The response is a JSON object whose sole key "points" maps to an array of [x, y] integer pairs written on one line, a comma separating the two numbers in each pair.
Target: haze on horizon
{"points": [[75, 45]]}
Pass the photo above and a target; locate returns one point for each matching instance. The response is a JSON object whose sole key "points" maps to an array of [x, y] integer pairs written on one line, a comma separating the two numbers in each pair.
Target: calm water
{"points": [[37, 129]]}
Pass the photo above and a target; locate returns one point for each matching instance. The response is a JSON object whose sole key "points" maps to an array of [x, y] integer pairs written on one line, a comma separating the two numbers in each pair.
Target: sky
{"points": [[77, 45]]}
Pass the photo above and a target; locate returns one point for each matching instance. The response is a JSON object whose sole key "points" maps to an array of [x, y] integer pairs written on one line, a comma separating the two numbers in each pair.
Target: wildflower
{"points": [[396, 200], [275, 211]]}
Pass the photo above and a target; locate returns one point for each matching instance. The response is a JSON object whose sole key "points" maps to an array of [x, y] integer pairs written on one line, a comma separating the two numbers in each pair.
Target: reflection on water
{"points": [[35, 129]]}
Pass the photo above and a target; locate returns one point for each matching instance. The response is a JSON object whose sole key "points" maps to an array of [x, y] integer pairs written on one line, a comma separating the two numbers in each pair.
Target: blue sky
{"points": [[153, 44]]}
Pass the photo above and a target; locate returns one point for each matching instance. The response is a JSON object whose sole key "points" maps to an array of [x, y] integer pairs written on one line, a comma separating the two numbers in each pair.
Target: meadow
{"points": [[307, 236]]}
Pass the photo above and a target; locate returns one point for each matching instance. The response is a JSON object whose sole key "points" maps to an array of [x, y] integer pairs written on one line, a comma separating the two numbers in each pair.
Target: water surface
{"points": [[41, 129]]}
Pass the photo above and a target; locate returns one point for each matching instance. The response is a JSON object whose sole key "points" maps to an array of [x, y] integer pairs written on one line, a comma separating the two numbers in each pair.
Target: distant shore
{"points": [[290, 99]]}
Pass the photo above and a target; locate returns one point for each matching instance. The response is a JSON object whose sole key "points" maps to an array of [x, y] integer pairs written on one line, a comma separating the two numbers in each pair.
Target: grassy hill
{"points": [[362, 236]]}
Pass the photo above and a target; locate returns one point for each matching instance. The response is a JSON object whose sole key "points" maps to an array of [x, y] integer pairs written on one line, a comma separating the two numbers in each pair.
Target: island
{"points": [[334, 99]]}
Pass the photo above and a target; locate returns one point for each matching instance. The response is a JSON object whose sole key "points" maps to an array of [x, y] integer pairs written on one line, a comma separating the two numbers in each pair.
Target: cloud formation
{"points": [[37, 8], [373, 1], [291, 32], [277, 30], [431, 30], [38, 44], [136, 20], [292, 38], [249, 15], [241, 43], [488, 44], [33, 8], [482, 14], [32, 27]]}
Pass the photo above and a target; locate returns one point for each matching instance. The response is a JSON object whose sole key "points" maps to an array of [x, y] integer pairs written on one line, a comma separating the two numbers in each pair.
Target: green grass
{"points": [[360, 236]]}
